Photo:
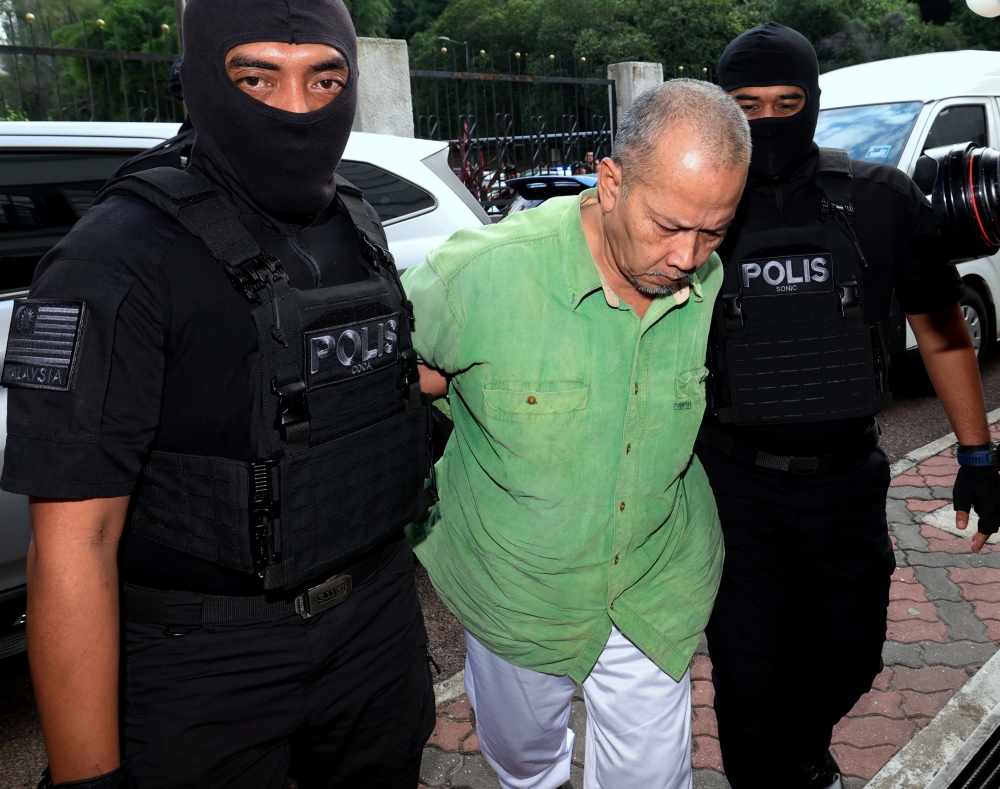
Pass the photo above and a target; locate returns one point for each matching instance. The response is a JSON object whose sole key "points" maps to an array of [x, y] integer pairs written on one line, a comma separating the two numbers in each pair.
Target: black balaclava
{"points": [[284, 160], [773, 54]]}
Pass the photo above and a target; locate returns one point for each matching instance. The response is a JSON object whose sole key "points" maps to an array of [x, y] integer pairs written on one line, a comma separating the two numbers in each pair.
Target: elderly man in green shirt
{"points": [[576, 538]]}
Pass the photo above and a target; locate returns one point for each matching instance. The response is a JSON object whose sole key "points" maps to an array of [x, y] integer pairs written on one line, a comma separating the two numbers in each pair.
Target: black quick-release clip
{"points": [[257, 273], [732, 309], [293, 407], [850, 300], [264, 510]]}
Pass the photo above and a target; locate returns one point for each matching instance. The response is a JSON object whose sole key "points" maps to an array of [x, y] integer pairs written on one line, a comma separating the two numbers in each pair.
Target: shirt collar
{"points": [[583, 277]]}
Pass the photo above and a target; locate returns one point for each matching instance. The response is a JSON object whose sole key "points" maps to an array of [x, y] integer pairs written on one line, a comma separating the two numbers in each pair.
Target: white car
{"points": [[891, 111], [49, 174]]}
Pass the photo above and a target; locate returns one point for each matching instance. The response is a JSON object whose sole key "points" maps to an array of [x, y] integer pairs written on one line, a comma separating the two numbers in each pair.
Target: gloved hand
{"points": [[978, 487], [117, 779]]}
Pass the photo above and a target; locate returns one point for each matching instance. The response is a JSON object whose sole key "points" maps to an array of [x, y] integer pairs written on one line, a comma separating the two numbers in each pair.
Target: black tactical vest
{"points": [[340, 429], [789, 343]]}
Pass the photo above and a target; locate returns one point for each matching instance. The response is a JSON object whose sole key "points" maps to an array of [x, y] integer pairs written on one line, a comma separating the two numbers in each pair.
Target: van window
{"points": [[42, 195], [869, 132], [390, 196], [965, 123]]}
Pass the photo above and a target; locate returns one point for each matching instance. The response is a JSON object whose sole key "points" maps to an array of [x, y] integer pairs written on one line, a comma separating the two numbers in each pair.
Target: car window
{"points": [[390, 196], [870, 132], [965, 123], [42, 195]]}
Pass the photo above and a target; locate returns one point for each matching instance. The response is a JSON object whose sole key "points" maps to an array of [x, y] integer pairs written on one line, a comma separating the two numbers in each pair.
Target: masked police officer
{"points": [[213, 408], [798, 372]]}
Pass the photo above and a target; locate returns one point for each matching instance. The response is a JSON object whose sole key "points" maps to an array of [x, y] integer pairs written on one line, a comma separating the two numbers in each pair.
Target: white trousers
{"points": [[638, 721]]}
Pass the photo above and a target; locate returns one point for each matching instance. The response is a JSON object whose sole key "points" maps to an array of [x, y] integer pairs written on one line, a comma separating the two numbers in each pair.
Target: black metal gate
{"points": [[532, 118]]}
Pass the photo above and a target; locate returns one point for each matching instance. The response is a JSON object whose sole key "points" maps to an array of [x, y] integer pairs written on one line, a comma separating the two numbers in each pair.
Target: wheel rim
{"points": [[975, 326]]}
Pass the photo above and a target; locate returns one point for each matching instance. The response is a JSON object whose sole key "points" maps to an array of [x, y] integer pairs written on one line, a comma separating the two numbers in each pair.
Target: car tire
{"points": [[978, 321]]}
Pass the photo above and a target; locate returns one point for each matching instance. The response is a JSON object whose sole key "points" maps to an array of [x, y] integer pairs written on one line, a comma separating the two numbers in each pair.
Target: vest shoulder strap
{"points": [[373, 240], [834, 175], [200, 210]]}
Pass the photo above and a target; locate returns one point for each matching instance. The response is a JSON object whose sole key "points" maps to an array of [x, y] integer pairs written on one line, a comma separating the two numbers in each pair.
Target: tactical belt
{"points": [[185, 611], [719, 440]]}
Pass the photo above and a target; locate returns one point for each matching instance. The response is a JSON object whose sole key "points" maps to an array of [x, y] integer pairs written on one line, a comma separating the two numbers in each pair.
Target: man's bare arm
{"points": [[950, 360], [432, 382], [73, 631]]}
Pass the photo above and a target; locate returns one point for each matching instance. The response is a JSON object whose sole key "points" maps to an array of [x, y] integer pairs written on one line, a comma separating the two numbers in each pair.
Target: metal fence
{"points": [[526, 115], [41, 81]]}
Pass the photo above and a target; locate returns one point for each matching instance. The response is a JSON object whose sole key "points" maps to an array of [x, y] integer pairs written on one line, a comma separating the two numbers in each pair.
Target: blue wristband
{"points": [[982, 457]]}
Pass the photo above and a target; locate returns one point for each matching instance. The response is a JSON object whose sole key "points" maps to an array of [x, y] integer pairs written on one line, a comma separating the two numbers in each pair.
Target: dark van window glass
{"points": [[42, 195], [966, 123], [390, 196]]}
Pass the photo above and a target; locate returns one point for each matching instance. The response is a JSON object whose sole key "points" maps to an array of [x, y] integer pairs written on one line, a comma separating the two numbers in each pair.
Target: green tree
{"points": [[371, 17], [980, 32]]}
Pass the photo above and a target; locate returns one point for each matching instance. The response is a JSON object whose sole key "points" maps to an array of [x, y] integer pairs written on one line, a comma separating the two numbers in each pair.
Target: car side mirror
{"points": [[924, 174]]}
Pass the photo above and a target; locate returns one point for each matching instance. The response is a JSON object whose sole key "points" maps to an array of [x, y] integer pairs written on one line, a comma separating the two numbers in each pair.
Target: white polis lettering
{"points": [[791, 277], [390, 335], [820, 273], [319, 348], [770, 277], [750, 271], [366, 352], [348, 359]]}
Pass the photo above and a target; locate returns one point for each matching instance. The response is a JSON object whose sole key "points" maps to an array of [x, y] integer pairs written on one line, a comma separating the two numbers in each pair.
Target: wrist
{"points": [[982, 455]]}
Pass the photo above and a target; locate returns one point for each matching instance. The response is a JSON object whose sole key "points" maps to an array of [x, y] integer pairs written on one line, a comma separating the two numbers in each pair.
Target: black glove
{"points": [[118, 779], [979, 487]]}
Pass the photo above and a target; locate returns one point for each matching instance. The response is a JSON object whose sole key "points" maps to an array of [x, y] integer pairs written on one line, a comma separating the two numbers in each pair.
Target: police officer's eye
{"points": [[253, 82], [327, 84]]}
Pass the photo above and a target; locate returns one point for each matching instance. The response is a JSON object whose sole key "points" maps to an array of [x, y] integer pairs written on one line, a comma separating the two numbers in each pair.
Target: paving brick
{"points": [[975, 575], [902, 655], [876, 702], [701, 668], [475, 772], [706, 754], [958, 654], [862, 763], [992, 630], [907, 536], [963, 625], [448, 733], [942, 492], [704, 722], [916, 505], [702, 693], [944, 481], [928, 680], [907, 591], [896, 512], [873, 730], [705, 779], [908, 492], [916, 631], [936, 583], [910, 477], [938, 462], [470, 744], [578, 723], [435, 766], [458, 710], [883, 679], [908, 610], [986, 593], [959, 557], [925, 705]]}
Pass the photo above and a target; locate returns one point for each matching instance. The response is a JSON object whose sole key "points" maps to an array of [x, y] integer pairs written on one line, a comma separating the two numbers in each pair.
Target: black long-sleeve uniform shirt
{"points": [[898, 234]]}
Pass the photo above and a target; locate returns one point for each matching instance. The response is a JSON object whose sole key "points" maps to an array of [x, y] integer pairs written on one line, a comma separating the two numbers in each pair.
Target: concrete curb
{"points": [[919, 455], [968, 718], [449, 689]]}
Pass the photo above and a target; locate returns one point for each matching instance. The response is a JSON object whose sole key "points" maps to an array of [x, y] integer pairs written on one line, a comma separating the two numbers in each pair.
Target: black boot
{"points": [[821, 773]]}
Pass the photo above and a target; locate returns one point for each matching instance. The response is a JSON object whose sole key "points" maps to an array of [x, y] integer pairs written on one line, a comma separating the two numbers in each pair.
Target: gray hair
{"points": [[711, 113]]}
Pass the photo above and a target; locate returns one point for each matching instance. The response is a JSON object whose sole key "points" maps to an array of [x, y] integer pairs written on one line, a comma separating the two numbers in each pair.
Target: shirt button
{"points": [[532, 400], [628, 449], [616, 560], [612, 606], [621, 507], [637, 388]]}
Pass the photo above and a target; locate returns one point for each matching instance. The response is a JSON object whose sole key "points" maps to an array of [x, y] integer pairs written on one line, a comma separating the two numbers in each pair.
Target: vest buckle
{"points": [[257, 273], [733, 311], [850, 301], [264, 509], [293, 407]]}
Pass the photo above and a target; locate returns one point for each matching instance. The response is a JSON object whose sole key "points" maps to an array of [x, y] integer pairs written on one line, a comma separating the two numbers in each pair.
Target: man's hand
{"points": [[979, 487], [73, 632], [432, 382]]}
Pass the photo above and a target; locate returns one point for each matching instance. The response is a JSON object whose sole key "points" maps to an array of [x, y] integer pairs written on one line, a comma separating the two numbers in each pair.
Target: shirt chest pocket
{"points": [[523, 400], [690, 388]]}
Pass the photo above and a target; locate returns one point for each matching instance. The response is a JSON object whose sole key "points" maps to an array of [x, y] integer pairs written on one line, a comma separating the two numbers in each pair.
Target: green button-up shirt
{"points": [[570, 498]]}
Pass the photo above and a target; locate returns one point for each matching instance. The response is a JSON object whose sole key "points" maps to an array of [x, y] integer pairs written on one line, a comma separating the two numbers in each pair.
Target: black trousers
{"points": [[343, 699], [797, 630]]}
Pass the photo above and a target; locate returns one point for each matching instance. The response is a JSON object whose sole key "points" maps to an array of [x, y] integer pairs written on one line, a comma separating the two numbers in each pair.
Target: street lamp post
{"points": [[468, 60]]}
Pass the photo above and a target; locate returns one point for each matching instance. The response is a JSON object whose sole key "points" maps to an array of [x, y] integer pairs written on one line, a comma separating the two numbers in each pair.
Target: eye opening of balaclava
{"points": [[764, 56], [284, 160]]}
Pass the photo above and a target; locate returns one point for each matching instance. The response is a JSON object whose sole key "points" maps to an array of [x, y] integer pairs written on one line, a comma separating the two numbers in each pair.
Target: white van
{"points": [[891, 111]]}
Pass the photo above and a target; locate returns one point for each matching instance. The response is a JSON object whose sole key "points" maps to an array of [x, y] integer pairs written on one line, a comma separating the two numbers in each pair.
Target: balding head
{"points": [[708, 117]]}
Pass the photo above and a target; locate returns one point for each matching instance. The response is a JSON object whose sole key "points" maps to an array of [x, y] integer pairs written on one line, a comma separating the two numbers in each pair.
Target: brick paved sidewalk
{"points": [[944, 620]]}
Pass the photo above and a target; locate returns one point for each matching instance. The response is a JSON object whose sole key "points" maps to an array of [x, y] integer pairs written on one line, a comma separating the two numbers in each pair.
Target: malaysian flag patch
{"points": [[43, 344]]}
